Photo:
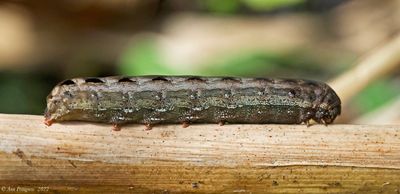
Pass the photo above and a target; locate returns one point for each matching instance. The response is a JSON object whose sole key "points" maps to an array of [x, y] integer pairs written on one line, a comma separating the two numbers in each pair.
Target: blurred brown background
{"points": [[44, 42]]}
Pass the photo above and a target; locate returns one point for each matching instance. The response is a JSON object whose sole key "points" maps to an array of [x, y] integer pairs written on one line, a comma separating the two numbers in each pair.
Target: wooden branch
{"points": [[86, 157], [381, 62]]}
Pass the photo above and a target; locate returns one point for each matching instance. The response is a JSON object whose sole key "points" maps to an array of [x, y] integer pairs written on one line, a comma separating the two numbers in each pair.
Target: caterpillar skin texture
{"points": [[160, 100]]}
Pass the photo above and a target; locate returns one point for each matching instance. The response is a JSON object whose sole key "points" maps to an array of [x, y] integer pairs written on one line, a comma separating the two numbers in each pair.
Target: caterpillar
{"points": [[154, 100]]}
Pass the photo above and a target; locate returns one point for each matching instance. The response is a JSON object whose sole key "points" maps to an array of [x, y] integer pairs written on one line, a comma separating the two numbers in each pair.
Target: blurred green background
{"points": [[45, 42]]}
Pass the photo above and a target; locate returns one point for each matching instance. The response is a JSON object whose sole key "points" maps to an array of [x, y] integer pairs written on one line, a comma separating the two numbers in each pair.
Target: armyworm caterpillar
{"points": [[153, 100]]}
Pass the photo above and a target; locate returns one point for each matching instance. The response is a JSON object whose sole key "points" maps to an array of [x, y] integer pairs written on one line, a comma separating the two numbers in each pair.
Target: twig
{"points": [[373, 66]]}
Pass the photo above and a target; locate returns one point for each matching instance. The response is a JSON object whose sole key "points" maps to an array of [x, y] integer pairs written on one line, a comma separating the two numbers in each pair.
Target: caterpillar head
{"points": [[329, 108], [57, 102]]}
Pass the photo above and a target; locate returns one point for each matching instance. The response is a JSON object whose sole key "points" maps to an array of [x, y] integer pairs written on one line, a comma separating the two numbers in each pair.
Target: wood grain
{"points": [[85, 157]]}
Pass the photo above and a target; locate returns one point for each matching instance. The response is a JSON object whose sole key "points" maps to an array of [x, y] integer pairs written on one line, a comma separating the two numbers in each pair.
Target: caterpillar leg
{"points": [[221, 123], [307, 122], [116, 127], [324, 122], [185, 124], [148, 126], [48, 122]]}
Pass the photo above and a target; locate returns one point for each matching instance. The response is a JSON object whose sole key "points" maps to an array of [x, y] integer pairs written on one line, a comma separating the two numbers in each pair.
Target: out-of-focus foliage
{"points": [[224, 6], [143, 58], [270, 4], [229, 6], [20, 93], [43, 42], [376, 95]]}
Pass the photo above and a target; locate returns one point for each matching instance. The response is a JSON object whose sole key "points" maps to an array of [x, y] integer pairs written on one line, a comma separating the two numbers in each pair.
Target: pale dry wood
{"points": [[84, 157], [379, 62]]}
